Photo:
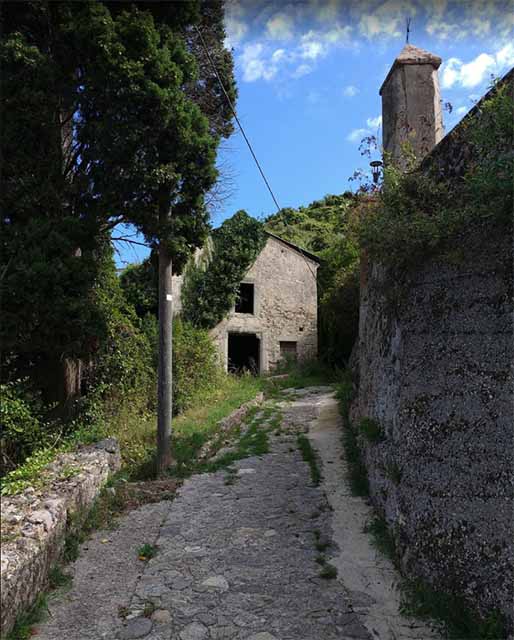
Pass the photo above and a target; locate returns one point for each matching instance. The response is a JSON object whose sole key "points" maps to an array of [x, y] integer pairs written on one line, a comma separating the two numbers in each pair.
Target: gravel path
{"points": [[368, 575], [238, 558]]}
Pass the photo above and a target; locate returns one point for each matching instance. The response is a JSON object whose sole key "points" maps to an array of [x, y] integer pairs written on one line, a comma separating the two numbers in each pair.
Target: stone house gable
{"points": [[276, 314]]}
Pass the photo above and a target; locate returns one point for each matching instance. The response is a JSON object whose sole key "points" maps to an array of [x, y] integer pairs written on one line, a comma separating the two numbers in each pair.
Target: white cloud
{"points": [[387, 20], [235, 31], [357, 134], [327, 10], [302, 70], [505, 56], [338, 34], [254, 65], [470, 19], [480, 27], [460, 111], [310, 48], [456, 73], [316, 44], [349, 91], [450, 72], [279, 55], [374, 123], [474, 72], [280, 26], [235, 26]]}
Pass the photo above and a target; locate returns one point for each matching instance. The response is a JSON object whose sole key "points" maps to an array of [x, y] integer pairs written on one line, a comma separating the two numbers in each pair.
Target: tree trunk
{"points": [[164, 401]]}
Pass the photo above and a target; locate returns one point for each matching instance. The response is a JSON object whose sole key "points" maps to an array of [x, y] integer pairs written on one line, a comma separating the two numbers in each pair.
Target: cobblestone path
{"points": [[237, 558]]}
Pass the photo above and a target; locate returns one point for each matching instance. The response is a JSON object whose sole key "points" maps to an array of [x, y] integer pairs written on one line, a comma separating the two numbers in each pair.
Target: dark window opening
{"points": [[244, 300], [243, 352], [288, 351]]}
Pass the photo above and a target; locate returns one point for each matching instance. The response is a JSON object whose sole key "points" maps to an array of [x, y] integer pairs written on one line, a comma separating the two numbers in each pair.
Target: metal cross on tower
{"points": [[407, 20]]}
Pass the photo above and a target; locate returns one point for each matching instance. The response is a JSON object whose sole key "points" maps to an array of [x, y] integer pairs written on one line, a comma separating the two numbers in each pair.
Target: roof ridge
{"points": [[295, 247]]}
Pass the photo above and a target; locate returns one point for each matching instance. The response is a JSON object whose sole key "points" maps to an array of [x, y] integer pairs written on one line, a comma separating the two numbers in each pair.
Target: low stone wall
{"points": [[239, 414], [236, 417], [35, 522], [435, 357]]}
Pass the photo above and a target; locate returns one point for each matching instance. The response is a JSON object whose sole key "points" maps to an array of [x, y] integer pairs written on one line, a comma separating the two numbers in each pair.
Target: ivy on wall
{"points": [[211, 284]]}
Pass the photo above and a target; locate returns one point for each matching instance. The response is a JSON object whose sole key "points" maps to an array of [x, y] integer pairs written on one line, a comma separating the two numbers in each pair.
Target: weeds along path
{"points": [[244, 553], [369, 576]]}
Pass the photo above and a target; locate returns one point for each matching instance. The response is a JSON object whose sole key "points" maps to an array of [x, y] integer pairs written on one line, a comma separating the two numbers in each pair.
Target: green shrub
{"points": [[29, 473], [139, 283], [418, 212], [21, 430], [309, 455], [357, 473], [450, 612], [371, 430], [196, 369], [381, 537], [124, 363]]}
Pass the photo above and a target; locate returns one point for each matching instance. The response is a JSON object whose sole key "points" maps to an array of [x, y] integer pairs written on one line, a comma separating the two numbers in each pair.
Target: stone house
{"points": [[276, 314]]}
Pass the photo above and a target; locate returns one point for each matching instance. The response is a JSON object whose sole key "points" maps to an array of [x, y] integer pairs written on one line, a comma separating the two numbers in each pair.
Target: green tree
{"points": [[120, 136], [149, 149], [50, 246], [140, 286]]}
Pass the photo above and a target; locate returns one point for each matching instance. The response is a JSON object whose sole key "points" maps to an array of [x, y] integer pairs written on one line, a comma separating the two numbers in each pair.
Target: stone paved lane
{"points": [[236, 559], [104, 578]]}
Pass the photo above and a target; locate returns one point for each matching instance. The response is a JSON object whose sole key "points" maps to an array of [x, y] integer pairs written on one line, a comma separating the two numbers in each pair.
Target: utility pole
{"points": [[165, 389]]}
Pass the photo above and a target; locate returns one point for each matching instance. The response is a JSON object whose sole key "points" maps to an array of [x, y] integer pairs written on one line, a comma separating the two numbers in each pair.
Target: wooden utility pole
{"points": [[165, 389]]}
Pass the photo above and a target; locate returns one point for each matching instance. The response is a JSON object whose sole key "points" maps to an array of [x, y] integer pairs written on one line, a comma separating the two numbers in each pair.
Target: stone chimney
{"points": [[411, 105]]}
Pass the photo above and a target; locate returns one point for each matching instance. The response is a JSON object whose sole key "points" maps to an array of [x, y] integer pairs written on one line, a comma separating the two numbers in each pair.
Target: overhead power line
{"points": [[229, 102], [241, 128]]}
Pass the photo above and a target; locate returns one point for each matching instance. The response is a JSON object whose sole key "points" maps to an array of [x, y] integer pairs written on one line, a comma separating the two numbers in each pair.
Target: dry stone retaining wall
{"points": [[35, 522], [435, 358]]}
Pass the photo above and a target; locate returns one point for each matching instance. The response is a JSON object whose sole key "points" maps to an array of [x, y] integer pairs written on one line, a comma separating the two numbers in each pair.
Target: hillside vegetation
{"points": [[327, 228]]}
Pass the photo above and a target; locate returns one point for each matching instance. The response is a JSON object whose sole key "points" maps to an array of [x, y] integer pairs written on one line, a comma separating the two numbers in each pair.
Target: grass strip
{"points": [[309, 455]]}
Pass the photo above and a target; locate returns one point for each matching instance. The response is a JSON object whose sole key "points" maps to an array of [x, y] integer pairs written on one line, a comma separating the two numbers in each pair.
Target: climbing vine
{"points": [[211, 284]]}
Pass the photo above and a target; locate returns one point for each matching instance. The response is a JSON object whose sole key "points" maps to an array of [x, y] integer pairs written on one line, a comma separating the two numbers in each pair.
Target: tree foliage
{"points": [[145, 145], [49, 250], [110, 114], [210, 286], [140, 286], [423, 211], [327, 228]]}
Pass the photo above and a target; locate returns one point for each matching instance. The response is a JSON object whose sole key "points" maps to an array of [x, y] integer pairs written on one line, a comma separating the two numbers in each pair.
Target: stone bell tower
{"points": [[411, 105]]}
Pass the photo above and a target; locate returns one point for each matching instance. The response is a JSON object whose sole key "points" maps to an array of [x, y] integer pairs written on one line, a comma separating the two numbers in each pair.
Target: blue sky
{"points": [[309, 73]]}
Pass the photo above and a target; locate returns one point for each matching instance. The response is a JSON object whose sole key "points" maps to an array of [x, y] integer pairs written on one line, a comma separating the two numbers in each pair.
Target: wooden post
{"points": [[165, 389]]}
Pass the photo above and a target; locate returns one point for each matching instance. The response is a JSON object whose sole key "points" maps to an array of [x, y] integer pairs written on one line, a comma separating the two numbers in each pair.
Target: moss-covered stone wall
{"points": [[435, 371]]}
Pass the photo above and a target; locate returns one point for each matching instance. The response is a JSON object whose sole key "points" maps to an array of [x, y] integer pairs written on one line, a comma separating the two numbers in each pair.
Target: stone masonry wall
{"points": [[285, 305], [435, 371], [35, 522]]}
